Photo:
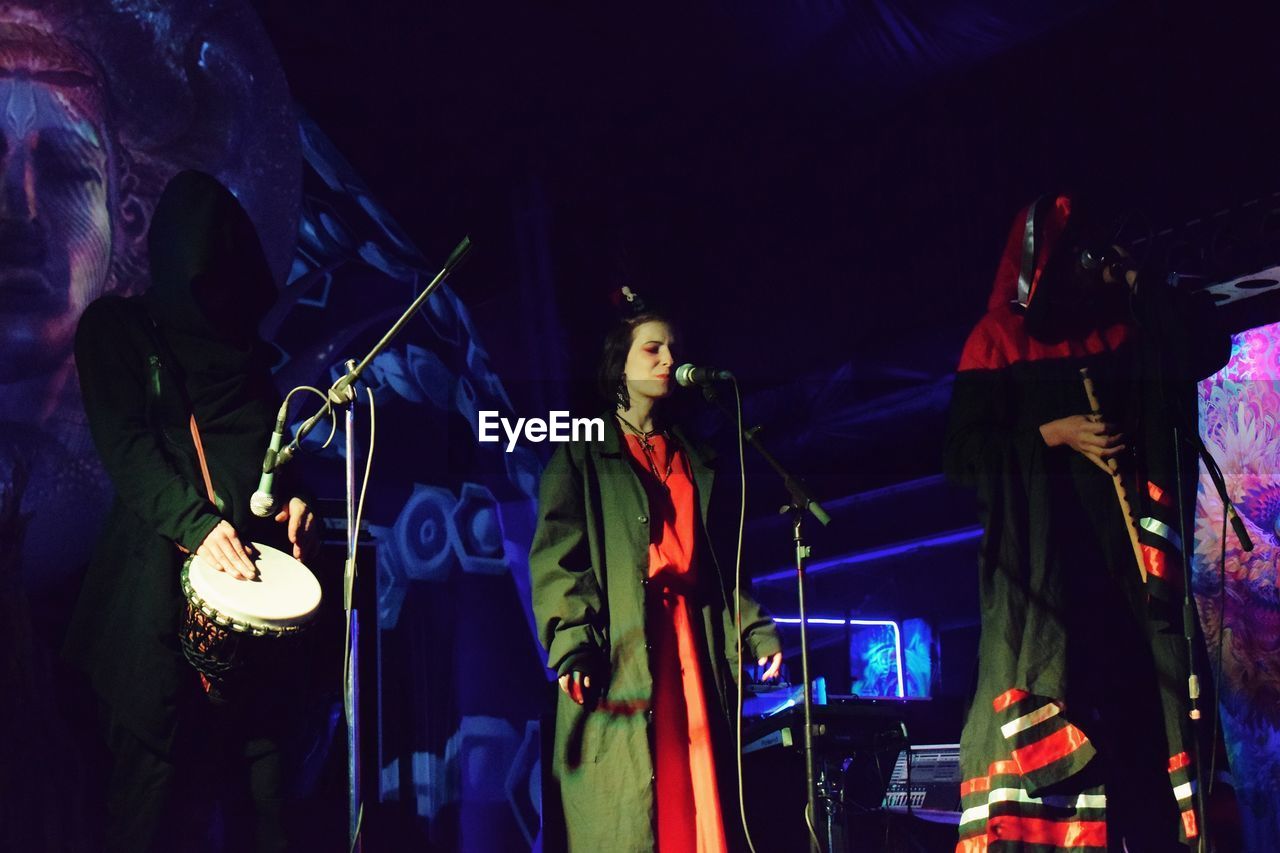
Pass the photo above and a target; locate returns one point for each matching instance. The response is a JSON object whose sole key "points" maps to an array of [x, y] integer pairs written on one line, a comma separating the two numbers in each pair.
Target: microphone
{"points": [[1107, 258], [262, 502], [1237, 524], [1175, 279], [687, 375]]}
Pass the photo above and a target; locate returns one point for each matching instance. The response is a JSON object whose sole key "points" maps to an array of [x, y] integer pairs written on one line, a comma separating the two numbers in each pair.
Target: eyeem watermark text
{"points": [[557, 427]]}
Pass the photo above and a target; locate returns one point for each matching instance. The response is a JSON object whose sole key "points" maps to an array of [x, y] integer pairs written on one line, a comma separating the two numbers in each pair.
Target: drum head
{"points": [[285, 593]]}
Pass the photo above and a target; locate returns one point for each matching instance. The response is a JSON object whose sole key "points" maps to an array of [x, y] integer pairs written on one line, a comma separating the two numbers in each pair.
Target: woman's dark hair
{"points": [[613, 359]]}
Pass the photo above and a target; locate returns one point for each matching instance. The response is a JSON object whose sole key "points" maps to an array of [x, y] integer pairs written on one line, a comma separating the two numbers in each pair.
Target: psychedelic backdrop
{"points": [[1240, 610], [103, 101]]}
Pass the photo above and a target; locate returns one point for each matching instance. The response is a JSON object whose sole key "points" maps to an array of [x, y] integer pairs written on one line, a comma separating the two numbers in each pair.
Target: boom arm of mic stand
{"points": [[801, 499], [342, 392], [459, 253]]}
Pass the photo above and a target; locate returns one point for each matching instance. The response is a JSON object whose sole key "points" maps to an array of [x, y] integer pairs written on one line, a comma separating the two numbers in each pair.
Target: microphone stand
{"points": [[1189, 611], [801, 502], [342, 395], [351, 685], [1179, 424]]}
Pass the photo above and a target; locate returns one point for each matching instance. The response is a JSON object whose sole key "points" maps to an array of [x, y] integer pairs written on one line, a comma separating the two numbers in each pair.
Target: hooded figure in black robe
{"points": [[189, 345], [1077, 737]]}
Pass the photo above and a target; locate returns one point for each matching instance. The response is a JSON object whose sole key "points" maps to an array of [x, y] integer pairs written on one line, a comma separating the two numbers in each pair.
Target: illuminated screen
{"points": [[874, 658]]}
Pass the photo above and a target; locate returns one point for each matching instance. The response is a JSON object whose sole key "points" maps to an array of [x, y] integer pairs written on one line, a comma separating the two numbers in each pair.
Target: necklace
{"points": [[648, 448]]}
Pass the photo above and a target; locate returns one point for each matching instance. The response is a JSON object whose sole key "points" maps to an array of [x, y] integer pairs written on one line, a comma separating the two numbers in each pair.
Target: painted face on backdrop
{"points": [[55, 220], [650, 361], [101, 102]]}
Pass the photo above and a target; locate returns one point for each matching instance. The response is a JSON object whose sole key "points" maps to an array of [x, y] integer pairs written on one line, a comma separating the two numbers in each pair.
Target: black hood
{"points": [[209, 275]]}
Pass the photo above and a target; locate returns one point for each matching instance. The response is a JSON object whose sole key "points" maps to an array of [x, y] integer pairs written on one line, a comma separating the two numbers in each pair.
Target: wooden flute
{"points": [[1122, 495]]}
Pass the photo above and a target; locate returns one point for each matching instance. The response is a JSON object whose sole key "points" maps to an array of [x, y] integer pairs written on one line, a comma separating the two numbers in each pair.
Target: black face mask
{"points": [[232, 313], [209, 276], [1071, 300]]}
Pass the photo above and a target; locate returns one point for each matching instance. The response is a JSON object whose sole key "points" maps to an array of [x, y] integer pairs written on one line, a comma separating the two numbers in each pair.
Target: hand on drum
{"points": [[304, 533], [223, 550]]}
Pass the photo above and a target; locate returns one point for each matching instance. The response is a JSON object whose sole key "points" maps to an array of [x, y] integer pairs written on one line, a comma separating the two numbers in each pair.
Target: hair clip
{"points": [[628, 303]]}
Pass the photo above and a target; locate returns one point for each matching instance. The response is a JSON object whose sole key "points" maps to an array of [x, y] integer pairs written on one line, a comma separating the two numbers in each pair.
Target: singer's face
{"points": [[650, 361]]}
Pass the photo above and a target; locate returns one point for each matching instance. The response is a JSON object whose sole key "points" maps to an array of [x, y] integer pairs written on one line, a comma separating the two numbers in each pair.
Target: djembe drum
{"points": [[229, 622]]}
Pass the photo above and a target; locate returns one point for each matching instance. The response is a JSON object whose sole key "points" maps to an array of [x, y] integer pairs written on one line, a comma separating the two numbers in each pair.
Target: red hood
{"points": [[1000, 338], [1053, 219]]}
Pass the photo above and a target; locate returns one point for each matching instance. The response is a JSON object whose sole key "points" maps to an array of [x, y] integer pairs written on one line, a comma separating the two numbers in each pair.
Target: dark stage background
{"points": [[819, 191]]}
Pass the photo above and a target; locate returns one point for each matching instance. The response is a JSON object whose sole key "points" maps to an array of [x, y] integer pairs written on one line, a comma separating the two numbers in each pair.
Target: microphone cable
{"points": [[348, 588], [333, 417], [737, 612], [737, 621]]}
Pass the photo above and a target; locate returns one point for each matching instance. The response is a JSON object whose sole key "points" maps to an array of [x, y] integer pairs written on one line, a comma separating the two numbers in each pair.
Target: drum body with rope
{"points": [[232, 628]]}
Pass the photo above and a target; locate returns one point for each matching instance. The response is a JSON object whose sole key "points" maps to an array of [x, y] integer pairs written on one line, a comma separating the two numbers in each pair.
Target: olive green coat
{"points": [[589, 565]]}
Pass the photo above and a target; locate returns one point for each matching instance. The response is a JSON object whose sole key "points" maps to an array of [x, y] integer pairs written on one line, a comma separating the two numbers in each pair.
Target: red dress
{"points": [[689, 818]]}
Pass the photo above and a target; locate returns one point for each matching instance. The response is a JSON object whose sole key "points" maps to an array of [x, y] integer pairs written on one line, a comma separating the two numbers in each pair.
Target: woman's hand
{"points": [[775, 665], [304, 533], [223, 550], [1088, 435], [575, 685]]}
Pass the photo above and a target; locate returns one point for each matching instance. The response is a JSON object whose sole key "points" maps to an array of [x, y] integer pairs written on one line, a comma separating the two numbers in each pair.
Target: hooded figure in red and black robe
{"points": [[1077, 737]]}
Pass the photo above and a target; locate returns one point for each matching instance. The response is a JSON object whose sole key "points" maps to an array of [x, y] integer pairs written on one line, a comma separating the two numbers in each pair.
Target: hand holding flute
{"points": [[1088, 435], [1101, 443]]}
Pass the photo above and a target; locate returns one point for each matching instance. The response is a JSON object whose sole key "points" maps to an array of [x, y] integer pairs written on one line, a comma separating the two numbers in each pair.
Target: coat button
{"points": [[644, 519]]}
